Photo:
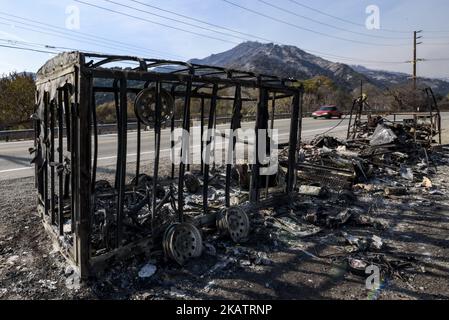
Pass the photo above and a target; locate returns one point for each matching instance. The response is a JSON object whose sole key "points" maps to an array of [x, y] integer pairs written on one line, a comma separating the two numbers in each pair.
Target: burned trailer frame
{"points": [[67, 149], [429, 119]]}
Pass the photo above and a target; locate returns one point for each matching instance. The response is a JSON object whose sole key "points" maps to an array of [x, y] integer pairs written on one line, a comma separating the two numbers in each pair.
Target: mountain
{"points": [[290, 61], [29, 74], [283, 61], [384, 78]]}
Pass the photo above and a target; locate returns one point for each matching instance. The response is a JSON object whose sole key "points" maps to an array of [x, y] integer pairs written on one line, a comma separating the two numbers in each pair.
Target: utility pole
{"points": [[415, 59]]}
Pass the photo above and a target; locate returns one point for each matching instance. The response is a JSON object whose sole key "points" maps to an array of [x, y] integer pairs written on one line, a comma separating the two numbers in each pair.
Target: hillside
{"points": [[290, 61], [388, 79], [283, 61]]}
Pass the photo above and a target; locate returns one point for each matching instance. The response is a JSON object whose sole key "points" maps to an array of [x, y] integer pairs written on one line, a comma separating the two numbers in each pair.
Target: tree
{"points": [[378, 100], [322, 90], [17, 94], [406, 98]]}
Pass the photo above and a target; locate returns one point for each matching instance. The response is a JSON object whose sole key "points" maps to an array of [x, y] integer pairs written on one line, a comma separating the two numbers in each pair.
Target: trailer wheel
{"points": [[181, 242], [235, 222]]}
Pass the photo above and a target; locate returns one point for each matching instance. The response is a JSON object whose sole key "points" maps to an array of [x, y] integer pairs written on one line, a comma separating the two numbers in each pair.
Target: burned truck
{"points": [[100, 213]]}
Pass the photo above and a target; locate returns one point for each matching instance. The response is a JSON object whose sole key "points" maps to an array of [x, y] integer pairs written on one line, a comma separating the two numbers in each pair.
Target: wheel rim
{"points": [[238, 224], [182, 242], [235, 222]]}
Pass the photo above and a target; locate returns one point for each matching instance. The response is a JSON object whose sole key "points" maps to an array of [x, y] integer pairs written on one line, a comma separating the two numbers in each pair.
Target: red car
{"points": [[327, 112]]}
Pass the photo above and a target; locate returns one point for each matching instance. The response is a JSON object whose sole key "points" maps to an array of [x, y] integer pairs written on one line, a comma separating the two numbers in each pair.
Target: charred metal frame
{"points": [[66, 138], [356, 124]]}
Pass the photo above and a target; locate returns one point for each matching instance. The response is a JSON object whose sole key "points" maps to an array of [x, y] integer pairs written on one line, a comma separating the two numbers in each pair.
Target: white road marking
{"points": [[16, 169], [145, 153]]}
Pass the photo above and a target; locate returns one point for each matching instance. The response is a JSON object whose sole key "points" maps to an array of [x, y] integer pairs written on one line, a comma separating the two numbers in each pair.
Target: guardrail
{"points": [[10, 135]]}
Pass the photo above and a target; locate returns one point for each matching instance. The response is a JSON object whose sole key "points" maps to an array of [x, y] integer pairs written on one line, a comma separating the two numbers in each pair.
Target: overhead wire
{"points": [[328, 24], [310, 30]]}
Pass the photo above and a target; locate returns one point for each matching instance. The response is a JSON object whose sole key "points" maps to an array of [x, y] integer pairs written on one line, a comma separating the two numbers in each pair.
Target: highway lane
{"points": [[14, 157]]}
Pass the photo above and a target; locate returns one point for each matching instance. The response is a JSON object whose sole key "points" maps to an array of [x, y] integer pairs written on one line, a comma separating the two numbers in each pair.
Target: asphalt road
{"points": [[14, 157]]}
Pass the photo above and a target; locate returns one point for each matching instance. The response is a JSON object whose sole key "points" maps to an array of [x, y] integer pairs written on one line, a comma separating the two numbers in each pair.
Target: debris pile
{"points": [[358, 179], [345, 182], [392, 151]]}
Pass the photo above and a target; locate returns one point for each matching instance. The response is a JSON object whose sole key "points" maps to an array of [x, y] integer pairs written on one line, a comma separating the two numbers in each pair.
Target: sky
{"points": [[335, 30]]}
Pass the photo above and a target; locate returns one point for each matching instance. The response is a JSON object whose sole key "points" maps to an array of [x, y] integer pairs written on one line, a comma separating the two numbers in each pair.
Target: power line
{"points": [[328, 24], [104, 40], [258, 37], [312, 51], [47, 46], [58, 34], [70, 37], [175, 20], [307, 29], [201, 21], [436, 38], [436, 43], [27, 49], [60, 49], [342, 19], [157, 23], [435, 60], [437, 31], [90, 37], [55, 33], [359, 24]]}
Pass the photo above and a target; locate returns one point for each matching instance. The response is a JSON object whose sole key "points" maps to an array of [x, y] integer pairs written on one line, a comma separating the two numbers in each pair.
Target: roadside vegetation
{"points": [[17, 100], [17, 95]]}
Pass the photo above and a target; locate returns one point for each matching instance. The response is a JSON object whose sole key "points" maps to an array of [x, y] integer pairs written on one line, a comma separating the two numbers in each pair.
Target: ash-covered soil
{"points": [[276, 263]]}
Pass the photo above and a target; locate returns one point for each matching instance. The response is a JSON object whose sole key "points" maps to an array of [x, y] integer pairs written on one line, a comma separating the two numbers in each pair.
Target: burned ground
{"points": [[308, 249]]}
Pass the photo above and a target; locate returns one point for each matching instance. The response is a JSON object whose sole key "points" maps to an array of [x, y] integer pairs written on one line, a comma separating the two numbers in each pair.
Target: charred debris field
{"points": [[364, 217], [379, 200]]}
